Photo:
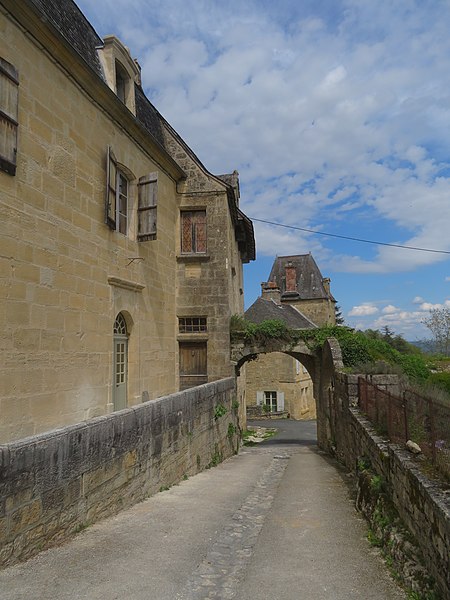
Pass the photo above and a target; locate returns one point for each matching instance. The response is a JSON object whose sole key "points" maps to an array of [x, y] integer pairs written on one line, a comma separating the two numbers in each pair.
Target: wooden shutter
{"points": [[259, 398], [147, 207], [280, 401], [9, 96], [111, 190]]}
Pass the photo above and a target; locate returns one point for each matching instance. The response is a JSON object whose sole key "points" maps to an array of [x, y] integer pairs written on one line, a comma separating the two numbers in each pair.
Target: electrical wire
{"points": [[353, 239]]}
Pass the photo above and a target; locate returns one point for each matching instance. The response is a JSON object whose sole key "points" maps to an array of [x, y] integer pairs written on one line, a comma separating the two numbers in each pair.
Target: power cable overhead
{"points": [[353, 239]]}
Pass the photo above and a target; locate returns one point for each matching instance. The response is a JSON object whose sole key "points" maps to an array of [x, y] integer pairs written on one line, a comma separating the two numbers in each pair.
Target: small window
{"points": [[116, 196], [121, 82], [9, 96], [148, 199], [270, 400], [193, 232], [192, 324]]}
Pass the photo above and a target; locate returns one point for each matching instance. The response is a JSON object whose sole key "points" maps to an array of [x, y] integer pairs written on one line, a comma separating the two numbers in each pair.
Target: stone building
{"points": [[297, 294], [121, 255]]}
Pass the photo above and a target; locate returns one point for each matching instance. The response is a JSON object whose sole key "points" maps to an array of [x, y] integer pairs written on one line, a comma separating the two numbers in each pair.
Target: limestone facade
{"points": [[277, 382], [93, 276]]}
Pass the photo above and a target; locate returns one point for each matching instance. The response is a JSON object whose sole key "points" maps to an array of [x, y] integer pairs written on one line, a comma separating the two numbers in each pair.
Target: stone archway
{"points": [[321, 365]]}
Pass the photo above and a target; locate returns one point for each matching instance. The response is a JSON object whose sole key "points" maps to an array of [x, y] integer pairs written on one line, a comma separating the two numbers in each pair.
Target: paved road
{"points": [[274, 523]]}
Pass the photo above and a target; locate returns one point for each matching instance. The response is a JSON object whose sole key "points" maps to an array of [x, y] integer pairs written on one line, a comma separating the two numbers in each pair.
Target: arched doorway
{"points": [[120, 364]]}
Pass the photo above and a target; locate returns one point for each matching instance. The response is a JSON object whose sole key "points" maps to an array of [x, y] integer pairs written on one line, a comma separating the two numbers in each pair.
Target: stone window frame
{"points": [[9, 123]]}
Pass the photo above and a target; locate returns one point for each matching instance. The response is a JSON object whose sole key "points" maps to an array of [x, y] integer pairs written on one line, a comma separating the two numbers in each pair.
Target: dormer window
{"points": [[121, 71]]}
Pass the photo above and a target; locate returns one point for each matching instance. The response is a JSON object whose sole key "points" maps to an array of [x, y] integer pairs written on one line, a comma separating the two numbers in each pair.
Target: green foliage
{"points": [[219, 411], [376, 484], [364, 463], [267, 330], [216, 458], [440, 380], [374, 540], [361, 351], [231, 430], [338, 315]]}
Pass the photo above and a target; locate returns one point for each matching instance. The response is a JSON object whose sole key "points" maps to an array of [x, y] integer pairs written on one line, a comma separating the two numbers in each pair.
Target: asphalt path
{"points": [[275, 522]]}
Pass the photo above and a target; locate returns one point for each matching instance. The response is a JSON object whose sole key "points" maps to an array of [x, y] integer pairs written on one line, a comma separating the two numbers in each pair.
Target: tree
{"points": [[439, 324], [338, 315]]}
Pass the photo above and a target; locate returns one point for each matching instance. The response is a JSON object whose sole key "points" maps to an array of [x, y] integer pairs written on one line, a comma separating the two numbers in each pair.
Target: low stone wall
{"points": [[55, 484], [423, 506]]}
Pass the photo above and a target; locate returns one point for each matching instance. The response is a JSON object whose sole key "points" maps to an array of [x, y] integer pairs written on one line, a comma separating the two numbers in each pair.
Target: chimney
{"points": [[270, 291], [291, 277], [326, 285]]}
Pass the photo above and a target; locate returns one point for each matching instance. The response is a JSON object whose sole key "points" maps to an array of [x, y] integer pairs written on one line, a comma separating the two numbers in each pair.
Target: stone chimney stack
{"points": [[326, 284], [270, 291], [291, 277]]}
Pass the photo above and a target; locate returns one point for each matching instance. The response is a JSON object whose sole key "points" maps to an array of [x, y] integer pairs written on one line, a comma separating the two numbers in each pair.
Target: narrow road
{"points": [[274, 523]]}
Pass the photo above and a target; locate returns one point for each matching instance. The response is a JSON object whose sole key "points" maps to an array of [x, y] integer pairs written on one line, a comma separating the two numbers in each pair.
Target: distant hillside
{"points": [[425, 345]]}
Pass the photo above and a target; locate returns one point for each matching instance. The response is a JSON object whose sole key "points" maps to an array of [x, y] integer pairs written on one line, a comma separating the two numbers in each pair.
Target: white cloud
{"points": [[390, 310], [313, 104], [363, 310], [447, 279], [430, 306], [418, 300]]}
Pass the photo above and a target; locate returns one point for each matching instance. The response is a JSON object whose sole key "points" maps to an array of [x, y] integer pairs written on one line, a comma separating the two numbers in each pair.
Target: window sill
{"points": [[194, 257]]}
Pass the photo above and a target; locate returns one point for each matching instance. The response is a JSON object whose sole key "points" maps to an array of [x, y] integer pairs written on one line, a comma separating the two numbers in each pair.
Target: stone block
{"points": [[25, 516]]}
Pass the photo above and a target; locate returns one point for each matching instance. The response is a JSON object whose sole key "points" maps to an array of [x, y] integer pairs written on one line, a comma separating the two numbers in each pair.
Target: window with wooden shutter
{"points": [[9, 96], [116, 202], [148, 200], [193, 231], [111, 189]]}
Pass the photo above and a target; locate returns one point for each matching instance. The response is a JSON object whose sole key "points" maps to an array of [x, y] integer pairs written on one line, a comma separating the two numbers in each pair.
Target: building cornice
{"points": [[61, 51]]}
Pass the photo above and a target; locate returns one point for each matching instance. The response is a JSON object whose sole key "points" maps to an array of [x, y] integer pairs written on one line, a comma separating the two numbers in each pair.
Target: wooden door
{"points": [[193, 364]]}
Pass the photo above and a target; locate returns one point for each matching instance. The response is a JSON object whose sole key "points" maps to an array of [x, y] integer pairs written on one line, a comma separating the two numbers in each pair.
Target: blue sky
{"points": [[336, 113]]}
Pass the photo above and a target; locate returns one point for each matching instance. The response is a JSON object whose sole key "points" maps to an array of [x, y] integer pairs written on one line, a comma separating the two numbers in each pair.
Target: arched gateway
{"points": [[321, 364]]}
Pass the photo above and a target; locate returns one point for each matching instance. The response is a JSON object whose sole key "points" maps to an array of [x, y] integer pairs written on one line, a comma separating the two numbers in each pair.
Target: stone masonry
{"points": [[54, 484]]}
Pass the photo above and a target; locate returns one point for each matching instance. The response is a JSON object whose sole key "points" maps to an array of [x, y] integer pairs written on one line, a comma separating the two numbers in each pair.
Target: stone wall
{"points": [[54, 484], [422, 505]]}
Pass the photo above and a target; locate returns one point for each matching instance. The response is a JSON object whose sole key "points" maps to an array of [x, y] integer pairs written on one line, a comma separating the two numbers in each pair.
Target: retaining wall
{"points": [[54, 484], [423, 506]]}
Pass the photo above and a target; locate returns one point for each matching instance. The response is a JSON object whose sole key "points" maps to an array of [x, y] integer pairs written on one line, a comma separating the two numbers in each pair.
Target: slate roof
{"points": [[147, 114], [69, 21], [263, 309], [309, 278]]}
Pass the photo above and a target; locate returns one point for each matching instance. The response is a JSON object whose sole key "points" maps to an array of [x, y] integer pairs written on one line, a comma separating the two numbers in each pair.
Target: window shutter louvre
{"points": [[280, 401], [9, 97], [111, 189], [147, 208], [259, 398]]}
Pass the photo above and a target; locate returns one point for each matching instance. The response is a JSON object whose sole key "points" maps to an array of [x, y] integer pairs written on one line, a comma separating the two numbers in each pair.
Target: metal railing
{"points": [[409, 417]]}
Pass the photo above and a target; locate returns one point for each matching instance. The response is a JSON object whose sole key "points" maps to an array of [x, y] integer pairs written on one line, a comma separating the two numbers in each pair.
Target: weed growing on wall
{"points": [[219, 411]]}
